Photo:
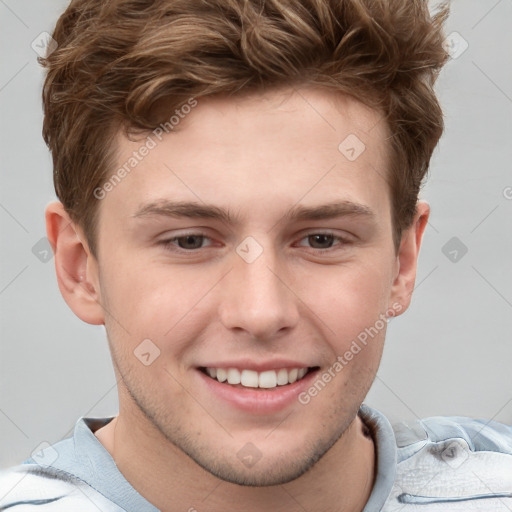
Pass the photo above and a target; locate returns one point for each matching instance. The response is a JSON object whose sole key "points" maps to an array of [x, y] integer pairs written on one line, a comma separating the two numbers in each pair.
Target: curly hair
{"points": [[118, 60]]}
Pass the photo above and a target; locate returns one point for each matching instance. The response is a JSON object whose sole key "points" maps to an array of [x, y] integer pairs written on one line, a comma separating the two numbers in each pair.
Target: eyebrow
{"points": [[194, 210]]}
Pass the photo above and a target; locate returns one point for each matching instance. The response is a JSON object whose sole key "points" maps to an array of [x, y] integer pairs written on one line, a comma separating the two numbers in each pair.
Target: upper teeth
{"points": [[253, 379]]}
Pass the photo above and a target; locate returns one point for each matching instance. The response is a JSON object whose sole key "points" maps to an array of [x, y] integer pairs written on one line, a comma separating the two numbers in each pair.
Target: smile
{"points": [[245, 378]]}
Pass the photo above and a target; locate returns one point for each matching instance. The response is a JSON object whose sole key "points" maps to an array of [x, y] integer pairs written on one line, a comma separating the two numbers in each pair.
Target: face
{"points": [[249, 239]]}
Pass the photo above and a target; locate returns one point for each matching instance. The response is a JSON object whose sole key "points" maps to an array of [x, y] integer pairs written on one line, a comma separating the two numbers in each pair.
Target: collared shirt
{"points": [[438, 464]]}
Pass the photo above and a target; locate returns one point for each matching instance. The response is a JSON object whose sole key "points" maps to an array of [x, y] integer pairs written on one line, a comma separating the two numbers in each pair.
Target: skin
{"points": [[256, 156]]}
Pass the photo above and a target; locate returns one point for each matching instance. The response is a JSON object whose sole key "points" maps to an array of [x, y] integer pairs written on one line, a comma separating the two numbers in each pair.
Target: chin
{"points": [[268, 474]]}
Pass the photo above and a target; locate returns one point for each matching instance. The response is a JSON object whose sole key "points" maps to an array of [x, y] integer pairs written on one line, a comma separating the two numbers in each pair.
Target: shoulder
{"points": [[52, 490], [479, 434], [463, 463]]}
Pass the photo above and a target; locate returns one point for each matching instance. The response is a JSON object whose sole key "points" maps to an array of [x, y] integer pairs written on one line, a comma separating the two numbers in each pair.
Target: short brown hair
{"points": [[117, 60]]}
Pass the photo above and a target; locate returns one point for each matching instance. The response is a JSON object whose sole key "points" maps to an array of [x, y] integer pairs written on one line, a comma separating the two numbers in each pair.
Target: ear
{"points": [[76, 267], [407, 258]]}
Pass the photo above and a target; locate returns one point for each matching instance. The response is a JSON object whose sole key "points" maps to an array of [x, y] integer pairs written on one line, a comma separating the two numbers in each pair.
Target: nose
{"points": [[257, 297]]}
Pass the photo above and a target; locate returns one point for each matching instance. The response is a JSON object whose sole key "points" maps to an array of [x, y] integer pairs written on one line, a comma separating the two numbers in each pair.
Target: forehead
{"points": [[318, 116], [285, 146]]}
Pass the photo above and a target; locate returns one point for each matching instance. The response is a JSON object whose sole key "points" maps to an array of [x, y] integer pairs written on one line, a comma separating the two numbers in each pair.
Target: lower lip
{"points": [[259, 401]]}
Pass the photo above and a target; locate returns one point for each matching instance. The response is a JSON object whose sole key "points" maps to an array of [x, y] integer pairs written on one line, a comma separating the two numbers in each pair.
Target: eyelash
{"points": [[169, 244]]}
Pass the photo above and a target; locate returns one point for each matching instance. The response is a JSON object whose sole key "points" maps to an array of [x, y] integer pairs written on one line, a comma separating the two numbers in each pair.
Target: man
{"points": [[238, 186]]}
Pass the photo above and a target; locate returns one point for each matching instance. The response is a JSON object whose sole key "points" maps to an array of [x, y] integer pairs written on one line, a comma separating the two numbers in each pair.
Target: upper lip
{"points": [[250, 364]]}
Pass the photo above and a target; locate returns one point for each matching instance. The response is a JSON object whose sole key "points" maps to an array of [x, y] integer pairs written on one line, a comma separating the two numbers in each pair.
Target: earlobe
{"points": [[407, 258], [75, 266]]}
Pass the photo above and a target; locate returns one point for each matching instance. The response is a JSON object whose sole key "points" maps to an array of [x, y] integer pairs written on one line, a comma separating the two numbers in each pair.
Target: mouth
{"points": [[256, 389], [268, 380]]}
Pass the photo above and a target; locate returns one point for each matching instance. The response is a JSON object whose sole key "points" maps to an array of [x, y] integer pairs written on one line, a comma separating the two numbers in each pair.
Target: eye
{"points": [[186, 242], [324, 242]]}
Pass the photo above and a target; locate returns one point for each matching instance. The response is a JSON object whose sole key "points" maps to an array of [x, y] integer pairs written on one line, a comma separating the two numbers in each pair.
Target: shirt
{"points": [[438, 464]]}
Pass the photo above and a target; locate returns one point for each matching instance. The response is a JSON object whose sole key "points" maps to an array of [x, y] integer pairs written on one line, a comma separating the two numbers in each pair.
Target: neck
{"points": [[341, 480]]}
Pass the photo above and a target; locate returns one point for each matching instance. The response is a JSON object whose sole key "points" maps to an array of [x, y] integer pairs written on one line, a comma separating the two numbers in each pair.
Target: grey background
{"points": [[450, 354]]}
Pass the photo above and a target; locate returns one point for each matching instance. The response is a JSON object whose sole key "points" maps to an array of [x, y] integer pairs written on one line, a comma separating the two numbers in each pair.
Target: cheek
{"points": [[350, 308], [349, 300], [146, 294], [166, 305]]}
